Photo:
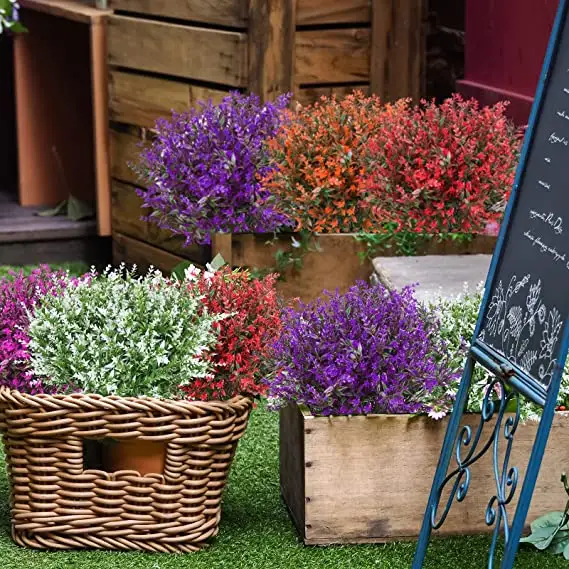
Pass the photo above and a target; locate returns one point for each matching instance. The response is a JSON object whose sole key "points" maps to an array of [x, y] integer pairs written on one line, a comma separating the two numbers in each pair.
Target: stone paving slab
{"points": [[444, 275]]}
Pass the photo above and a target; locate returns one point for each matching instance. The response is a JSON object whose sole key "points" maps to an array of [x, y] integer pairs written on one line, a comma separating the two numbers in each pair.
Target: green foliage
{"points": [[284, 260], [403, 243], [179, 271], [130, 336], [458, 318], [9, 17], [551, 532], [73, 268]]}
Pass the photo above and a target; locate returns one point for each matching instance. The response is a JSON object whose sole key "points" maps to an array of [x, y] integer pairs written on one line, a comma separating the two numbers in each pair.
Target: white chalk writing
{"points": [[554, 139], [556, 222]]}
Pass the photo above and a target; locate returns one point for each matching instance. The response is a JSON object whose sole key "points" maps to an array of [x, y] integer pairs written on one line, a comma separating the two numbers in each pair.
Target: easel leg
{"points": [[444, 461], [529, 484]]}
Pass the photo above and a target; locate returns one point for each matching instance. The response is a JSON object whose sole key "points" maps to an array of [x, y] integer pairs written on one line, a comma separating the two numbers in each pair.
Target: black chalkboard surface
{"points": [[528, 303]]}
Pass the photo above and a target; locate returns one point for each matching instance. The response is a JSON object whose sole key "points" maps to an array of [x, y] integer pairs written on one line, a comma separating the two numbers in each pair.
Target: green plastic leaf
{"points": [[17, 27], [179, 271], [551, 520], [78, 209], [559, 543], [512, 406], [541, 539], [218, 262], [59, 209]]}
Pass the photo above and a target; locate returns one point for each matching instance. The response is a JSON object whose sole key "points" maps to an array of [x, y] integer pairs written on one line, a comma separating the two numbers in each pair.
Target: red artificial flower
{"points": [[244, 336]]}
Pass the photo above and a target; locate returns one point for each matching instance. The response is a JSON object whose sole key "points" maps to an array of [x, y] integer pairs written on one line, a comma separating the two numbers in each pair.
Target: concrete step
{"points": [[445, 275]]}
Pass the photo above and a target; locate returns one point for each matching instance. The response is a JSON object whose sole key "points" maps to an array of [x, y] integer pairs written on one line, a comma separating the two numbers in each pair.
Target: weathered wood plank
{"points": [[368, 500], [127, 220], [92, 250], [131, 251], [75, 11], [125, 149], [184, 51], [291, 452], [140, 99], [271, 47], [308, 95], [397, 49], [332, 56], [336, 265], [224, 12], [315, 12]]}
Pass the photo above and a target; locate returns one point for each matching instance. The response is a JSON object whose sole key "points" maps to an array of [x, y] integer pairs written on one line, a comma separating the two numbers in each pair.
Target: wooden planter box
{"points": [[366, 479], [166, 55], [337, 265]]}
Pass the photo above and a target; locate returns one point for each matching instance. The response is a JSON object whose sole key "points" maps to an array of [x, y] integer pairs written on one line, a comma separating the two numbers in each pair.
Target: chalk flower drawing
{"points": [[514, 329]]}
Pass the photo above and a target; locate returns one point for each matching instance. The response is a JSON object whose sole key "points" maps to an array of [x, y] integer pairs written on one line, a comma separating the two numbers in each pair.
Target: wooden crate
{"points": [[336, 265], [366, 479], [169, 54]]}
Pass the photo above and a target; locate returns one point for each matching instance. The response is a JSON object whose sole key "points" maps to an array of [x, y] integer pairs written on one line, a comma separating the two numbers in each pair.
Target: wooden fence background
{"points": [[168, 54]]}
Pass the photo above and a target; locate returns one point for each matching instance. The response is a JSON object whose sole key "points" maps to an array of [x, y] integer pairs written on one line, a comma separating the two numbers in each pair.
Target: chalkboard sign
{"points": [[528, 300]]}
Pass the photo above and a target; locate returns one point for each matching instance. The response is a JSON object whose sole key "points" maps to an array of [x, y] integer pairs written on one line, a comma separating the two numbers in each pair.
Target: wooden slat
{"points": [[308, 95], [183, 51], [316, 12], [91, 250], [224, 12], [397, 49], [132, 251], [32, 228], [125, 149], [271, 47], [127, 220], [140, 100], [68, 9], [332, 56]]}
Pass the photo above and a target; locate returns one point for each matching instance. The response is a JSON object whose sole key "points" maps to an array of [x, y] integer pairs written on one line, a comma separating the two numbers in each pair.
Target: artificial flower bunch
{"points": [[202, 173], [348, 165], [116, 333], [370, 350]]}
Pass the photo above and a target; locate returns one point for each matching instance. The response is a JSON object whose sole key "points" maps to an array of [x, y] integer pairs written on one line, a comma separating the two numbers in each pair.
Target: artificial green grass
{"points": [[256, 532], [75, 268]]}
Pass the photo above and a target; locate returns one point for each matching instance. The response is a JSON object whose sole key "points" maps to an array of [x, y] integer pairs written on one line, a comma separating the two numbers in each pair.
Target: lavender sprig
{"points": [[369, 350], [202, 172]]}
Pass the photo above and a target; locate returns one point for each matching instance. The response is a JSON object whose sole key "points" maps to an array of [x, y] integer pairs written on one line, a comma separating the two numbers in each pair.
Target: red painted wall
{"points": [[506, 42]]}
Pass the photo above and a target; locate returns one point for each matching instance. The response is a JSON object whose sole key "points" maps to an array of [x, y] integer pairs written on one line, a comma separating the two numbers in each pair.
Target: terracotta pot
{"points": [[145, 457]]}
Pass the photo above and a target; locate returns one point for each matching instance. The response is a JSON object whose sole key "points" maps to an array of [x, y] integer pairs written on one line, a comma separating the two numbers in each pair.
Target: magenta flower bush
{"points": [[203, 170], [19, 295], [369, 350]]}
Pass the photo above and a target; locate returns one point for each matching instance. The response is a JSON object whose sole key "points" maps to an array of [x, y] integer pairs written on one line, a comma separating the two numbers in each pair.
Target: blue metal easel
{"points": [[513, 383]]}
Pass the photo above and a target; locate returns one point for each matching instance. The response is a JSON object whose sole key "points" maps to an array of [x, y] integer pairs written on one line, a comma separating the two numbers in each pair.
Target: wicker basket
{"points": [[57, 504]]}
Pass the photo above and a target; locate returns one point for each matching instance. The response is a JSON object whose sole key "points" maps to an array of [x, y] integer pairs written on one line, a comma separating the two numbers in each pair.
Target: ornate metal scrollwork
{"points": [[469, 449]]}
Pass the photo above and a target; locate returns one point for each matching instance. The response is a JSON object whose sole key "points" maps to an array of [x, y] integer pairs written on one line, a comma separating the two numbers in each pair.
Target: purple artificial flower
{"points": [[203, 170], [370, 350], [19, 294]]}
